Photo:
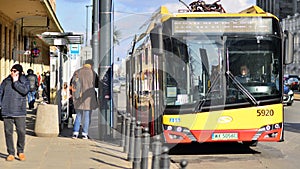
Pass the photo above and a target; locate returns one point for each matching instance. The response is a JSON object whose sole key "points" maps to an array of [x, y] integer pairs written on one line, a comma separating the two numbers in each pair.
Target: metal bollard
{"points": [[183, 164], [145, 148], [127, 134], [165, 160], [131, 140], [123, 124], [137, 146], [156, 148]]}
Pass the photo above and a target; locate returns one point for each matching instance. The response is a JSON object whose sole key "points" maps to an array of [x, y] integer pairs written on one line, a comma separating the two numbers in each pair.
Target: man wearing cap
{"points": [[84, 82], [13, 91]]}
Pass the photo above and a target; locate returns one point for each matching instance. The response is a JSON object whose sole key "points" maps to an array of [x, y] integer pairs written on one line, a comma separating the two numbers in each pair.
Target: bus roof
{"points": [[162, 14], [252, 11]]}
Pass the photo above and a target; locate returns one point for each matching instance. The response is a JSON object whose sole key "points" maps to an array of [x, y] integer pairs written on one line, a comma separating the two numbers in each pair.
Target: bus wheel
{"points": [[252, 143]]}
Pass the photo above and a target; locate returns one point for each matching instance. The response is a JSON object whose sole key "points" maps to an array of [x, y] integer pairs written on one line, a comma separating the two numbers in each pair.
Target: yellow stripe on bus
{"points": [[243, 118]]}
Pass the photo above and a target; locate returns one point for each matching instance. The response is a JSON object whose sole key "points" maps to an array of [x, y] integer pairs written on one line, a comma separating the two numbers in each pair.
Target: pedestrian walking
{"points": [[64, 97], [39, 77], [65, 111], [33, 87], [46, 87], [13, 91], [84, 82]]}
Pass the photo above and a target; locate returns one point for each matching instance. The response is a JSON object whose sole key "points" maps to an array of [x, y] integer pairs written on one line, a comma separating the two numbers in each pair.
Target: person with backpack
{"points": [[13, 91], [33, 80], [84, 82]]}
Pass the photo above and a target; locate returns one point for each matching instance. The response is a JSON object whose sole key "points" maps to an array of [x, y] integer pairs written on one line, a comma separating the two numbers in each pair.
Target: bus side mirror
{"points": [[288, 47]]}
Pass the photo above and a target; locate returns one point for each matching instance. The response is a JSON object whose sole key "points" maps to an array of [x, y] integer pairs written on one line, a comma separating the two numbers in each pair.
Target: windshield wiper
{"points": [[200, 103], [238, 84], [242, 88]]}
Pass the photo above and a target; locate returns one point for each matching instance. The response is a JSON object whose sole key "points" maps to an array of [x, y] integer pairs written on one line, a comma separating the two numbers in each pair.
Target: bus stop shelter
{"points": [[61, 40]]}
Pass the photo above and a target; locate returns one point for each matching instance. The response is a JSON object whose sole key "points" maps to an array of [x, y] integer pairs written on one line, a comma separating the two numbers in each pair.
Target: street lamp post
{"points": [[87, 23], [105, 66]]}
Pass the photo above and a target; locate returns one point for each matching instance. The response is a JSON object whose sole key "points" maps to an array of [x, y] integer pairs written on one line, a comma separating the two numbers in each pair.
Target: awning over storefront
{"points": [[34, 16], [65, 38]]}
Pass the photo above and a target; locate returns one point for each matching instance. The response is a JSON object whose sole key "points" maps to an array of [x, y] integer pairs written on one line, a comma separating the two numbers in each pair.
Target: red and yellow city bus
{"points": [[184, 82]]}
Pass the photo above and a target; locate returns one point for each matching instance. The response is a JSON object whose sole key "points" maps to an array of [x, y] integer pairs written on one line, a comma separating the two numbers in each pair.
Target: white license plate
{"points": [[224, 136]]}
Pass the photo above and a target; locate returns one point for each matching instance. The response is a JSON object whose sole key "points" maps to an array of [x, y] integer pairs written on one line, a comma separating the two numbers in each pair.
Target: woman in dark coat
{"points": [[13, 91]]}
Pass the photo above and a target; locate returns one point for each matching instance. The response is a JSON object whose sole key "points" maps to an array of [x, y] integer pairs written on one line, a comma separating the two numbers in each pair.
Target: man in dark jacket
{"points": [[13, 91], [33, 86]]}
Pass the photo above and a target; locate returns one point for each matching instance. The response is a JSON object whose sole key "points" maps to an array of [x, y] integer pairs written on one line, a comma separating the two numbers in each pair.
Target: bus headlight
{"points": [[179, 129], [179, 133]]}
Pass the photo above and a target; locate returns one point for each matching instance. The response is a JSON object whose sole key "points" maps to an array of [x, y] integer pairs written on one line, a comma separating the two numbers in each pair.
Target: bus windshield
{"points": [[221, 69]]}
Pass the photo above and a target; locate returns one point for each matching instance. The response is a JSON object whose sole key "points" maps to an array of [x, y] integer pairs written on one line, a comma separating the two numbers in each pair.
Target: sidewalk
{"points": [[63, 152], [297, 95]]}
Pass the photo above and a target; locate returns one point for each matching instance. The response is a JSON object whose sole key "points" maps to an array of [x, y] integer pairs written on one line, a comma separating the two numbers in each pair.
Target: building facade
{"points": [[280, 8], [292, 24], [21, 24], [288, 13]]}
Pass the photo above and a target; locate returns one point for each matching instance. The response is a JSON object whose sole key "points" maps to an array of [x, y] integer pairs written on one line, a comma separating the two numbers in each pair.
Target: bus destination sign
{"points": [[223, 25]]}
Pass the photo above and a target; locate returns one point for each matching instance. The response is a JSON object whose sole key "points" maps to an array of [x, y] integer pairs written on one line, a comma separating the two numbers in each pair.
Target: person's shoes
{"points": [[21, 156], [10, 158], [85, 137], [74, 136]]}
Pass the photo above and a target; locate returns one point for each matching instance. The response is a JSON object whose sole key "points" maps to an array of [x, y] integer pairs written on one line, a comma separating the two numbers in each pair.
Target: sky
{"points": [[129, 15]]}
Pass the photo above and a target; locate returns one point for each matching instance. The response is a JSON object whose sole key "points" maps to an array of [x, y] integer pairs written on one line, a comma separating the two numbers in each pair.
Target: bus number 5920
{"points": [[265, 112]]}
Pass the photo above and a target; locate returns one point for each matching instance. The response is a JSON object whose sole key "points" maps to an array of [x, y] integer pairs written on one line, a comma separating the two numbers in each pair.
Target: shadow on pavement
{"points": [[292, 127], [30, 122], [111, 155], [211, 148], [3, 155], [66, 132], [111, 164], [111, 149]]}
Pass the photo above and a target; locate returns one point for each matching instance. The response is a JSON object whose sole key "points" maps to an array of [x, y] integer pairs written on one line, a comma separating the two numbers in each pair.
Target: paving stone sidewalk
{"points": [[63, 152]]}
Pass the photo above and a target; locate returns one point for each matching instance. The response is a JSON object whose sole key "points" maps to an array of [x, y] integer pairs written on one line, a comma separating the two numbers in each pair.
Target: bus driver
{"points": [[244, 76]]}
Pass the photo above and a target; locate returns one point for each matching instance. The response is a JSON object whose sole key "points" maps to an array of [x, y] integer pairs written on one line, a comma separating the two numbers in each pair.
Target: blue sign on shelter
{"points": [[75, 49]]}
